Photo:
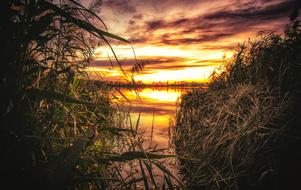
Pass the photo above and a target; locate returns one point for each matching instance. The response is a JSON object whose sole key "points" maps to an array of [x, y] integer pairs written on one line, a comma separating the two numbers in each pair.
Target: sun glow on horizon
{"points": [[128, 52], [199, 74], [185, 33], [194, 59], [161, 96], [149, 94]]}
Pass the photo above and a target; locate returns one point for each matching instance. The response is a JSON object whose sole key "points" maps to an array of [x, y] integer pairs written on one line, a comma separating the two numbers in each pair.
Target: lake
{"points": [[153, 108]]}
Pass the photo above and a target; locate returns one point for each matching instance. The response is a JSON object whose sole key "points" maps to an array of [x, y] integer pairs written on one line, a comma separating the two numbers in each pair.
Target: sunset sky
{"points": [[183, 39]]}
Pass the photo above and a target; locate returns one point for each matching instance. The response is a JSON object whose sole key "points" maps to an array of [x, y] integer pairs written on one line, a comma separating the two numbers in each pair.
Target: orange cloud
{"points": [[184, 40]]}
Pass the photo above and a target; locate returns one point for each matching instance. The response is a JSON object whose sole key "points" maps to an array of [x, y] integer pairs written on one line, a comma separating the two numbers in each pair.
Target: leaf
{"points": [[40, 26], [168, 181], [144, 176], [137, 122], [110, 35], [165, 170], [91, 12], [122, 95], [83, 24], [149, 169]]}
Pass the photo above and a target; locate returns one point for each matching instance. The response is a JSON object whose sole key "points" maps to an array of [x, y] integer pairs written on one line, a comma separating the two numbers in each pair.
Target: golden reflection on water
{"points": [[168, 95], [156, 106]]}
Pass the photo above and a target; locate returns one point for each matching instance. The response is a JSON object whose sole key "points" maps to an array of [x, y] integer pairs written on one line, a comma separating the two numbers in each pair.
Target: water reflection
{"points": [[155, 107]]}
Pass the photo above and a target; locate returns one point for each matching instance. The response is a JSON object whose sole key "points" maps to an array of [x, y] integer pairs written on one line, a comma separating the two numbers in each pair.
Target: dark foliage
{"points": [[244, 131]]}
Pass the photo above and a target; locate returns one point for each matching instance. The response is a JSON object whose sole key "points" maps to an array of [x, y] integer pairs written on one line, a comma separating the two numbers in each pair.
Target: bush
{"points": [[59, 129], [50, 113], [242, 132]]}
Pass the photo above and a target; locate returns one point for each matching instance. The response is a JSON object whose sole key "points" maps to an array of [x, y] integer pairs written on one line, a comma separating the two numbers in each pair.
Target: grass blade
{"points": [[149, 169], [144, 176]]}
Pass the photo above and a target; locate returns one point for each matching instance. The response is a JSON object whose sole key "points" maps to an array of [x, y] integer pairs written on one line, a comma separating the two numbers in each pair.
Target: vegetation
{"points": [[139, 84], [243, 132], [58, 129]]}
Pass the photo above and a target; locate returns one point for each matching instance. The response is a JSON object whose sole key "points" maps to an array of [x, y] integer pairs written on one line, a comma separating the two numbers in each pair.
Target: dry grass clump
{"points": [[226, 132], [242, 132]]}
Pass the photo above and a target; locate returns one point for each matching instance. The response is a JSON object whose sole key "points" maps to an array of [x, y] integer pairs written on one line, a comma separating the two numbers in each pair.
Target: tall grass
{"points": [[58, 129], [242, 133]]}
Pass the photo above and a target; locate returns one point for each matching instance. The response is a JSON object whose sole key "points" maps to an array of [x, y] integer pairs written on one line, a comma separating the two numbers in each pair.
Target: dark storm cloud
{"points": [[156, 24], [138, 16], [161, 63], [218, 24], [121, 6], [206, 25], [139, 39], [276, 11], [167, 5], [148, 61], [201, 38], [131, 22]]}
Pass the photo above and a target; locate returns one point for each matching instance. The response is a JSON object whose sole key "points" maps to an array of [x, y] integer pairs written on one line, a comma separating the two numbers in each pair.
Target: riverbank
{"points": [[59, 130], [243, 132]]}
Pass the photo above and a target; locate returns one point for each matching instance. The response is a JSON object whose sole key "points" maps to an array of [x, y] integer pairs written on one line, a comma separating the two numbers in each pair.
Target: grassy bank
{"points": [[244, 131], [59, 130]]}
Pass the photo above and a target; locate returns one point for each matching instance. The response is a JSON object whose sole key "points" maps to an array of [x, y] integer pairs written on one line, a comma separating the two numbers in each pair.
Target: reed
{"points": [[242, 133], [59, 130]]}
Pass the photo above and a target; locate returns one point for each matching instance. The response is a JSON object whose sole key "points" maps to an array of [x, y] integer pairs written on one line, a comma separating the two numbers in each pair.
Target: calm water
{"points": [[156, 106]]}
